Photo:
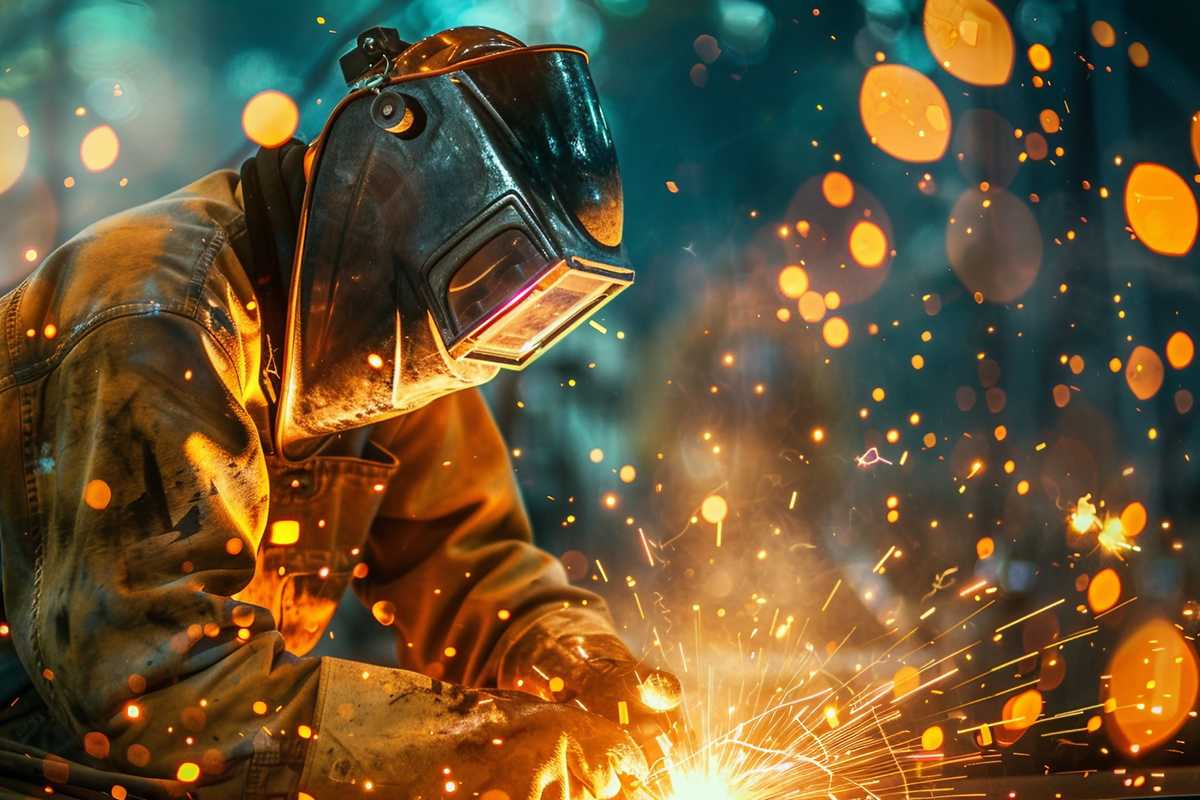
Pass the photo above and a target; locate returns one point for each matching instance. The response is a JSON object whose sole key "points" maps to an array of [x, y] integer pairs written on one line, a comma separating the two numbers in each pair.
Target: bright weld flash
{"points": [[658, 694], [697, 786]]}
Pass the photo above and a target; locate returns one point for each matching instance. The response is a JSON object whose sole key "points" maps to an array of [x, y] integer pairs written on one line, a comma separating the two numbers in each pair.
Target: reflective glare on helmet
{"points": [[551, 308], [490, 278]]}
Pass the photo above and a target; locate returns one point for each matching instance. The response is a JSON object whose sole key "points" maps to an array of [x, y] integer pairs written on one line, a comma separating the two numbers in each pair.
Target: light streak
{"points": [[832, 592], [1031, 614]]}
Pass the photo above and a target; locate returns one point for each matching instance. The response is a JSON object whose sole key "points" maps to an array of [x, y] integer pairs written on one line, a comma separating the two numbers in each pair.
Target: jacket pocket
{"points": [[320, 515]]}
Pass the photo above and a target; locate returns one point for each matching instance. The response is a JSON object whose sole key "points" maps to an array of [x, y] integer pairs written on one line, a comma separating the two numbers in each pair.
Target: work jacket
{"points": [[165, 569]]}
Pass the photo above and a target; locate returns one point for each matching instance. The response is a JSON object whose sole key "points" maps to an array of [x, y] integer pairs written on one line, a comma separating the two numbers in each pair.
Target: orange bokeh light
{"points": [[812, 306], [905, 113], [837, 189], [1133, 518], [932, 738], [836, 332], [1022, 710], [1161, 209], [1152, 688], [868, 244], [905, 681], [1104, 590], [1040, 58], [270, 118], [1139, 55], [1049, 120], [384, 612], [793, 281], [1180, 350], [994, 244], [1144, 373], [1196, 137], [714, 509], [99, 149], [1103, 33], [14, 144], [285, 532], [971, 39], [97, 495]]}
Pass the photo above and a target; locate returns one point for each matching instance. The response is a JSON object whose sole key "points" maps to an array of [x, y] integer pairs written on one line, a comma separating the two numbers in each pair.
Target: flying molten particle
{"points": [[1083, 518]]}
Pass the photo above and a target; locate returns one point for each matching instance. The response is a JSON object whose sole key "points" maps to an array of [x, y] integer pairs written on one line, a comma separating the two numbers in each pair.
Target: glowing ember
{"points": [[1083, 518]]}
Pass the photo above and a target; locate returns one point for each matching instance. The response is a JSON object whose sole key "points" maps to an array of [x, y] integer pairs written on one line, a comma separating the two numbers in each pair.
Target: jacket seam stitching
{"points": [[10, 321], [31, 498], [200, 270]]}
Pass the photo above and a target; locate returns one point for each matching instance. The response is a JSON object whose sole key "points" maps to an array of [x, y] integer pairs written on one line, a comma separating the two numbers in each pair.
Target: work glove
{"points": [[596, 671], [403, 735]]}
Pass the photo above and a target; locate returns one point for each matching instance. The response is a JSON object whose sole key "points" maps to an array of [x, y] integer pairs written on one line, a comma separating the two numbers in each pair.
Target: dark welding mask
{"points": [[463, 213]]}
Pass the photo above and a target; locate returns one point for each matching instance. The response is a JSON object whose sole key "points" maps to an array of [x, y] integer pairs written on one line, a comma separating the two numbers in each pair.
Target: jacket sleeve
{"points": [[451, 560], [151, 496]]}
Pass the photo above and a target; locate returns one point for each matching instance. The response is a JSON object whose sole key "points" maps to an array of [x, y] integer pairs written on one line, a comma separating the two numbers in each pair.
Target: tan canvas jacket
{"points": [[164, 572]]}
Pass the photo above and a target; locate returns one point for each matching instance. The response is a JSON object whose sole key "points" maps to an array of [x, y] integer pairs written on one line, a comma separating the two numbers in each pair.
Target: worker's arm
{"points": [[150, 499], [151, 496], [452, 553], [452, 557]]}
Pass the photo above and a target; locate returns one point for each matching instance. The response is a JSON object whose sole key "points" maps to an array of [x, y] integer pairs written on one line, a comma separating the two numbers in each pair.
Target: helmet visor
{"points": [[510, 303]]}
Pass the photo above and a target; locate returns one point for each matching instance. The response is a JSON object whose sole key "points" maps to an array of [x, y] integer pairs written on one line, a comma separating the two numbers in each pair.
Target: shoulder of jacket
{"points": [[173, 255]]}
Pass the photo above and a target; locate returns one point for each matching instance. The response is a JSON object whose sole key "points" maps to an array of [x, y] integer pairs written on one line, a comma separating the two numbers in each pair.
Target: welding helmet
{"points": [[463, 213]]}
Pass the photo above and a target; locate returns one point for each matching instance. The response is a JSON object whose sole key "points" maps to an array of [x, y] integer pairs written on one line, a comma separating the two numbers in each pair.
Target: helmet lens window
{"points": [[565, 295], [497, 274]]}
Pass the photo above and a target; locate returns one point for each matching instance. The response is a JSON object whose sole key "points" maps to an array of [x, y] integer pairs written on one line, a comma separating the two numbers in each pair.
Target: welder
{"points": [[220, 410]]}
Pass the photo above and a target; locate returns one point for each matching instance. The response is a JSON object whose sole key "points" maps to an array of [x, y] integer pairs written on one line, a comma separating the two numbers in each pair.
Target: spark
{"points": [[871, 458]]}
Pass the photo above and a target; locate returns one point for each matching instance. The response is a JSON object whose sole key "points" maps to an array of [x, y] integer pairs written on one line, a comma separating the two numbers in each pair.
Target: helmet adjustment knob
{"points": [[391, 112]]}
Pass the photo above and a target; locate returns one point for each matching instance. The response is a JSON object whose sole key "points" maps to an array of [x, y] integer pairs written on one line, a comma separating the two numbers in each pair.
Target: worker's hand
{"points": [[413, 738], [543, 751], [610, 682]]}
